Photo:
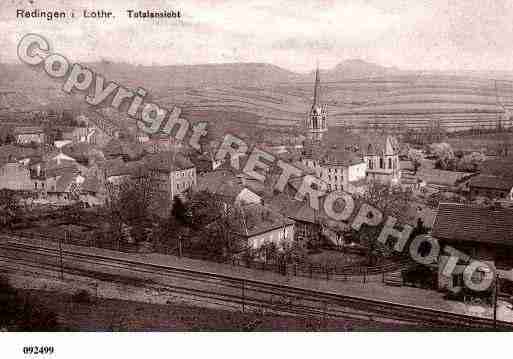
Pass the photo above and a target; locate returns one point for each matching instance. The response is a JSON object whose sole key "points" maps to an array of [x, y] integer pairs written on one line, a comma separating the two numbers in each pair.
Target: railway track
{"points": [[247, 294]]}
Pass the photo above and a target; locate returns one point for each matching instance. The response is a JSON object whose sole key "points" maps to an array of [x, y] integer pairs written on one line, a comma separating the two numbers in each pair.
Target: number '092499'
{"points": [[36, 350]]}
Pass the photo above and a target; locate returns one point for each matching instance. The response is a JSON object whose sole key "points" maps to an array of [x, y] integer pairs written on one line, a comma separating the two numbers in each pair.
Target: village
{"points": [[70, 180]]}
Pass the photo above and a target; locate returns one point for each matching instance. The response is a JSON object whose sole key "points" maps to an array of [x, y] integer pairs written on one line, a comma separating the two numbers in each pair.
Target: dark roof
{"points": [[168, 161], [493, 182], [258, 219], [461, 222], [306, 214], [221, 182], [121, 168], [116, 147], [341, 157]]}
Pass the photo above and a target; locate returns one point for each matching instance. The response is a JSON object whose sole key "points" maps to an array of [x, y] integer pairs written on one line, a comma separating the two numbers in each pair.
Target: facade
{"points": [[174, 172], [383, 161], [15, 176]]}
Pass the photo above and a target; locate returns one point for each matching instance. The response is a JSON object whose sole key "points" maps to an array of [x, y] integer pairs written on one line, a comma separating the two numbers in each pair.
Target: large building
{"points": [[174, 172], [342, 168]]}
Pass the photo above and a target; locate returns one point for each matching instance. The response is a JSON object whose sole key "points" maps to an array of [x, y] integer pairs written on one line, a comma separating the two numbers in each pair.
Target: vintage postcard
{"points": [[254, 166]]}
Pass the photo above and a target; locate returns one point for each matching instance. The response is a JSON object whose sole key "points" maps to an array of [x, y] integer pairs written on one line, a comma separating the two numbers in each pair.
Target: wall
{"points": [[276, 236]]}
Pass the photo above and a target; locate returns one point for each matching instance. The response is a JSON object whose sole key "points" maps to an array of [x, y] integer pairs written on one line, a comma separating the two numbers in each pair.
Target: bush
{"points": [[82, 296], [23, 313]]}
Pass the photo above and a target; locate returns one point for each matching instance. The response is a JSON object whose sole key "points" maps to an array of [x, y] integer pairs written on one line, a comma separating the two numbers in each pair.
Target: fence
{"points": [[351, 272]]}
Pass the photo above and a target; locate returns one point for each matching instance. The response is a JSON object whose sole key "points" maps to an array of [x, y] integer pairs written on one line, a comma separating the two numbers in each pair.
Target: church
{"points": [[346, 166]]}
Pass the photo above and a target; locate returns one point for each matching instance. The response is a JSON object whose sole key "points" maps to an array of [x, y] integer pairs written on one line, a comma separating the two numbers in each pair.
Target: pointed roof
{"points": [[317, 89]]}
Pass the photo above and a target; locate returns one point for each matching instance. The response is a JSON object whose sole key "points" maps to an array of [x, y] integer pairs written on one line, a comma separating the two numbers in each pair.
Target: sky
{"points": [[293, 34]]}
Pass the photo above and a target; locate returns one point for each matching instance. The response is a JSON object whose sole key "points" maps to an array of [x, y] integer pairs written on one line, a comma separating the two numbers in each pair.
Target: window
{"points": [[371, 165], [381, 163], [390, 163]]}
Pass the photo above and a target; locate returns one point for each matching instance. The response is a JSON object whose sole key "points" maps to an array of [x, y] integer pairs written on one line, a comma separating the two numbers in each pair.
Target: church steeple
{"points": [[317, 88], [317, 121]]}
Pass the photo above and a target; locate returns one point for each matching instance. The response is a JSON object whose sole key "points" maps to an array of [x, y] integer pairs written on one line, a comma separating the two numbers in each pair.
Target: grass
{"points": [[117, 315]]}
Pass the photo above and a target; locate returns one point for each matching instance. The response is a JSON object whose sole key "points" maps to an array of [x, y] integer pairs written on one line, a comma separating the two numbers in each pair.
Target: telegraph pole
{"points": [[496, 295], [60, 255]]}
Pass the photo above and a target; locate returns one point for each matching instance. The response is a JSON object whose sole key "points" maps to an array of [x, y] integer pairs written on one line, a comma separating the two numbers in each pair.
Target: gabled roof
{"points": [[501, 167], [116, 147], [492, 182], [470, 223], [120, 168], [221, 182], [167, 161], [255, 219], [306, 214]]}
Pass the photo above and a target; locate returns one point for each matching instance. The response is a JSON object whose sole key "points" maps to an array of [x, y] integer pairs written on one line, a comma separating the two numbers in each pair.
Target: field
{"points": [[246, 97], [481, 143]]}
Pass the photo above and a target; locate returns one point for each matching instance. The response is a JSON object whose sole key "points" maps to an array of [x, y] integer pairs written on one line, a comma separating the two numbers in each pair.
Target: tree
{"points": [[443, 151], [180, 212], [22, 313], [391, 201], [471, 162], [415, 157], [203, 225], [9, 208], [7, 135], [130, 202]]}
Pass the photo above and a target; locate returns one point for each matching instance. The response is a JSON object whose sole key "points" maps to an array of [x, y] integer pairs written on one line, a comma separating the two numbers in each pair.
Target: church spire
{"points": [[317, 88]]}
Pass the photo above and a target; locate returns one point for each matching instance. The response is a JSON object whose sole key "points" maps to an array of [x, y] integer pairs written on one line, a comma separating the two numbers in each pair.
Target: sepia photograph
{"points": [[176, 170]]}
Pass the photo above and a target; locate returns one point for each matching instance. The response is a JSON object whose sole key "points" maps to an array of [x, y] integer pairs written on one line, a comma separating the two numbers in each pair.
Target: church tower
{"points": [[316, 123]]}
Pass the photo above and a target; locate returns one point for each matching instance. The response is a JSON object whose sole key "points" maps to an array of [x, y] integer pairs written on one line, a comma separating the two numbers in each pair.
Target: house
{"points": [[442, 179], [257, 225], [174, 172], [127, 151], [93, 191], [79, 135], [63, 188], [483, 233], [338, 168], [490, 186], [15, 176], [117, 171], [230, 187], [307, 226], [29, 134]]}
